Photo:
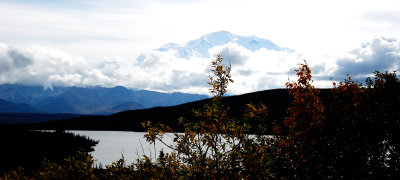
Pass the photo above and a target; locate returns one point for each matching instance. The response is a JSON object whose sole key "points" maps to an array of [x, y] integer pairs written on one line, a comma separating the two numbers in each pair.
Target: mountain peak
{"points": [[200, 47], [219, 37]]}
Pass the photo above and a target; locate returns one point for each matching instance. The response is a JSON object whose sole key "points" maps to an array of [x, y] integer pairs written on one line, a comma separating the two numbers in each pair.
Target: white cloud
{"points": [[160, 70], [165, 71], [380, 54], [96, 42], [232, 53], [257, 70], [37, 65], [63, 80]]}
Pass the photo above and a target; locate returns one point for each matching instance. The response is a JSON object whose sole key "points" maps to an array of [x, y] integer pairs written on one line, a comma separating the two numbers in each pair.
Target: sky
{"points": [[98, 42]]}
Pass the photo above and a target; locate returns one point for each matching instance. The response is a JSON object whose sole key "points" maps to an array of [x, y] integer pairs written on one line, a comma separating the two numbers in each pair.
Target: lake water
{"points": [[132, 145], [113, 144]]}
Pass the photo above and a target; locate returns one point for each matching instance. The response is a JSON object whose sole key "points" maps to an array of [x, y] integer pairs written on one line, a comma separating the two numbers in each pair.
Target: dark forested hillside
{"points": [[26, 118], [25, 148], [276, 100]]}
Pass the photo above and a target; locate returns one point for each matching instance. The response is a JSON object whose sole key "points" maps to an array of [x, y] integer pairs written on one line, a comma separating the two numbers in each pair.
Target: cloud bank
{"points": [[382, 54], [166, 71]]}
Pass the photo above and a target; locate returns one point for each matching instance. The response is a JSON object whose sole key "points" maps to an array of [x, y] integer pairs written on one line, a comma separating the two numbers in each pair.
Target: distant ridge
{"points": [[84, 100], [7, 106]]}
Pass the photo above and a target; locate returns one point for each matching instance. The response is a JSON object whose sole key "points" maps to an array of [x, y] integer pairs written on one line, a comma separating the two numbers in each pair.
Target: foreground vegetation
{"points": [[353, 136]]}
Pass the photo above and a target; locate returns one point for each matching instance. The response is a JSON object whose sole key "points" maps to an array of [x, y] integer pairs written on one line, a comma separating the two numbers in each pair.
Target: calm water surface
{"points": [[113, 144]]}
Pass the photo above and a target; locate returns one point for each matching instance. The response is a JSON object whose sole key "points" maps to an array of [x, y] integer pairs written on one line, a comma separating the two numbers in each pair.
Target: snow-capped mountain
{"points": [[200, 47], [84, 100]]}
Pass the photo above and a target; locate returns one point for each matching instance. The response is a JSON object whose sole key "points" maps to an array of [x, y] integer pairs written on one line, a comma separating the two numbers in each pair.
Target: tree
{"points": [[360, 136], [297, 138], [213, 143]]}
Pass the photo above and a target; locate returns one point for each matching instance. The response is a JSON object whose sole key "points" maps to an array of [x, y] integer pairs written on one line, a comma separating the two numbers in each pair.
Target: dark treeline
{"points": [[277, 101], [26, 118], [21, 147], [359, 138]]}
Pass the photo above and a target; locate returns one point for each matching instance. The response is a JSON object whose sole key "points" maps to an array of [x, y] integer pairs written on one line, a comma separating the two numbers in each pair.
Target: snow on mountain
{"points": [[200, 47]]}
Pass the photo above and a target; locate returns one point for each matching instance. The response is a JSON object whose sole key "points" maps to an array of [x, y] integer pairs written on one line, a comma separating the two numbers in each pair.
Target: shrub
{"points": [[215, 145]]}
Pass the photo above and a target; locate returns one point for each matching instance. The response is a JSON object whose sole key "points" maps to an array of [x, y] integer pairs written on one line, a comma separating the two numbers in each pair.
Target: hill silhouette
{"points": [[26, 118], [276, 100]]}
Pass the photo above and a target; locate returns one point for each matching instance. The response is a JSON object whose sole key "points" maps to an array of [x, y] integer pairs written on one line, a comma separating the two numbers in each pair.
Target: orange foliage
{"points": [[304, 117]]}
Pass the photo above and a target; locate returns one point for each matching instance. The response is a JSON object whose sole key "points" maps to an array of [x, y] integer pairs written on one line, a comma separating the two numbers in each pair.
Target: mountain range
{"points": [[84, 100], [7, 106], [15, 98]]}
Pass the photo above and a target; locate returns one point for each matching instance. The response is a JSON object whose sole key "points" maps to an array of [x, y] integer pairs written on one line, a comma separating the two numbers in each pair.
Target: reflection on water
{"points": [[113, 144]]}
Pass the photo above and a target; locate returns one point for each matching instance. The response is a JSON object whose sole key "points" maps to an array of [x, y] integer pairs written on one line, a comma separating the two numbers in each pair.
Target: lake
{"points": [[113, 144]]}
